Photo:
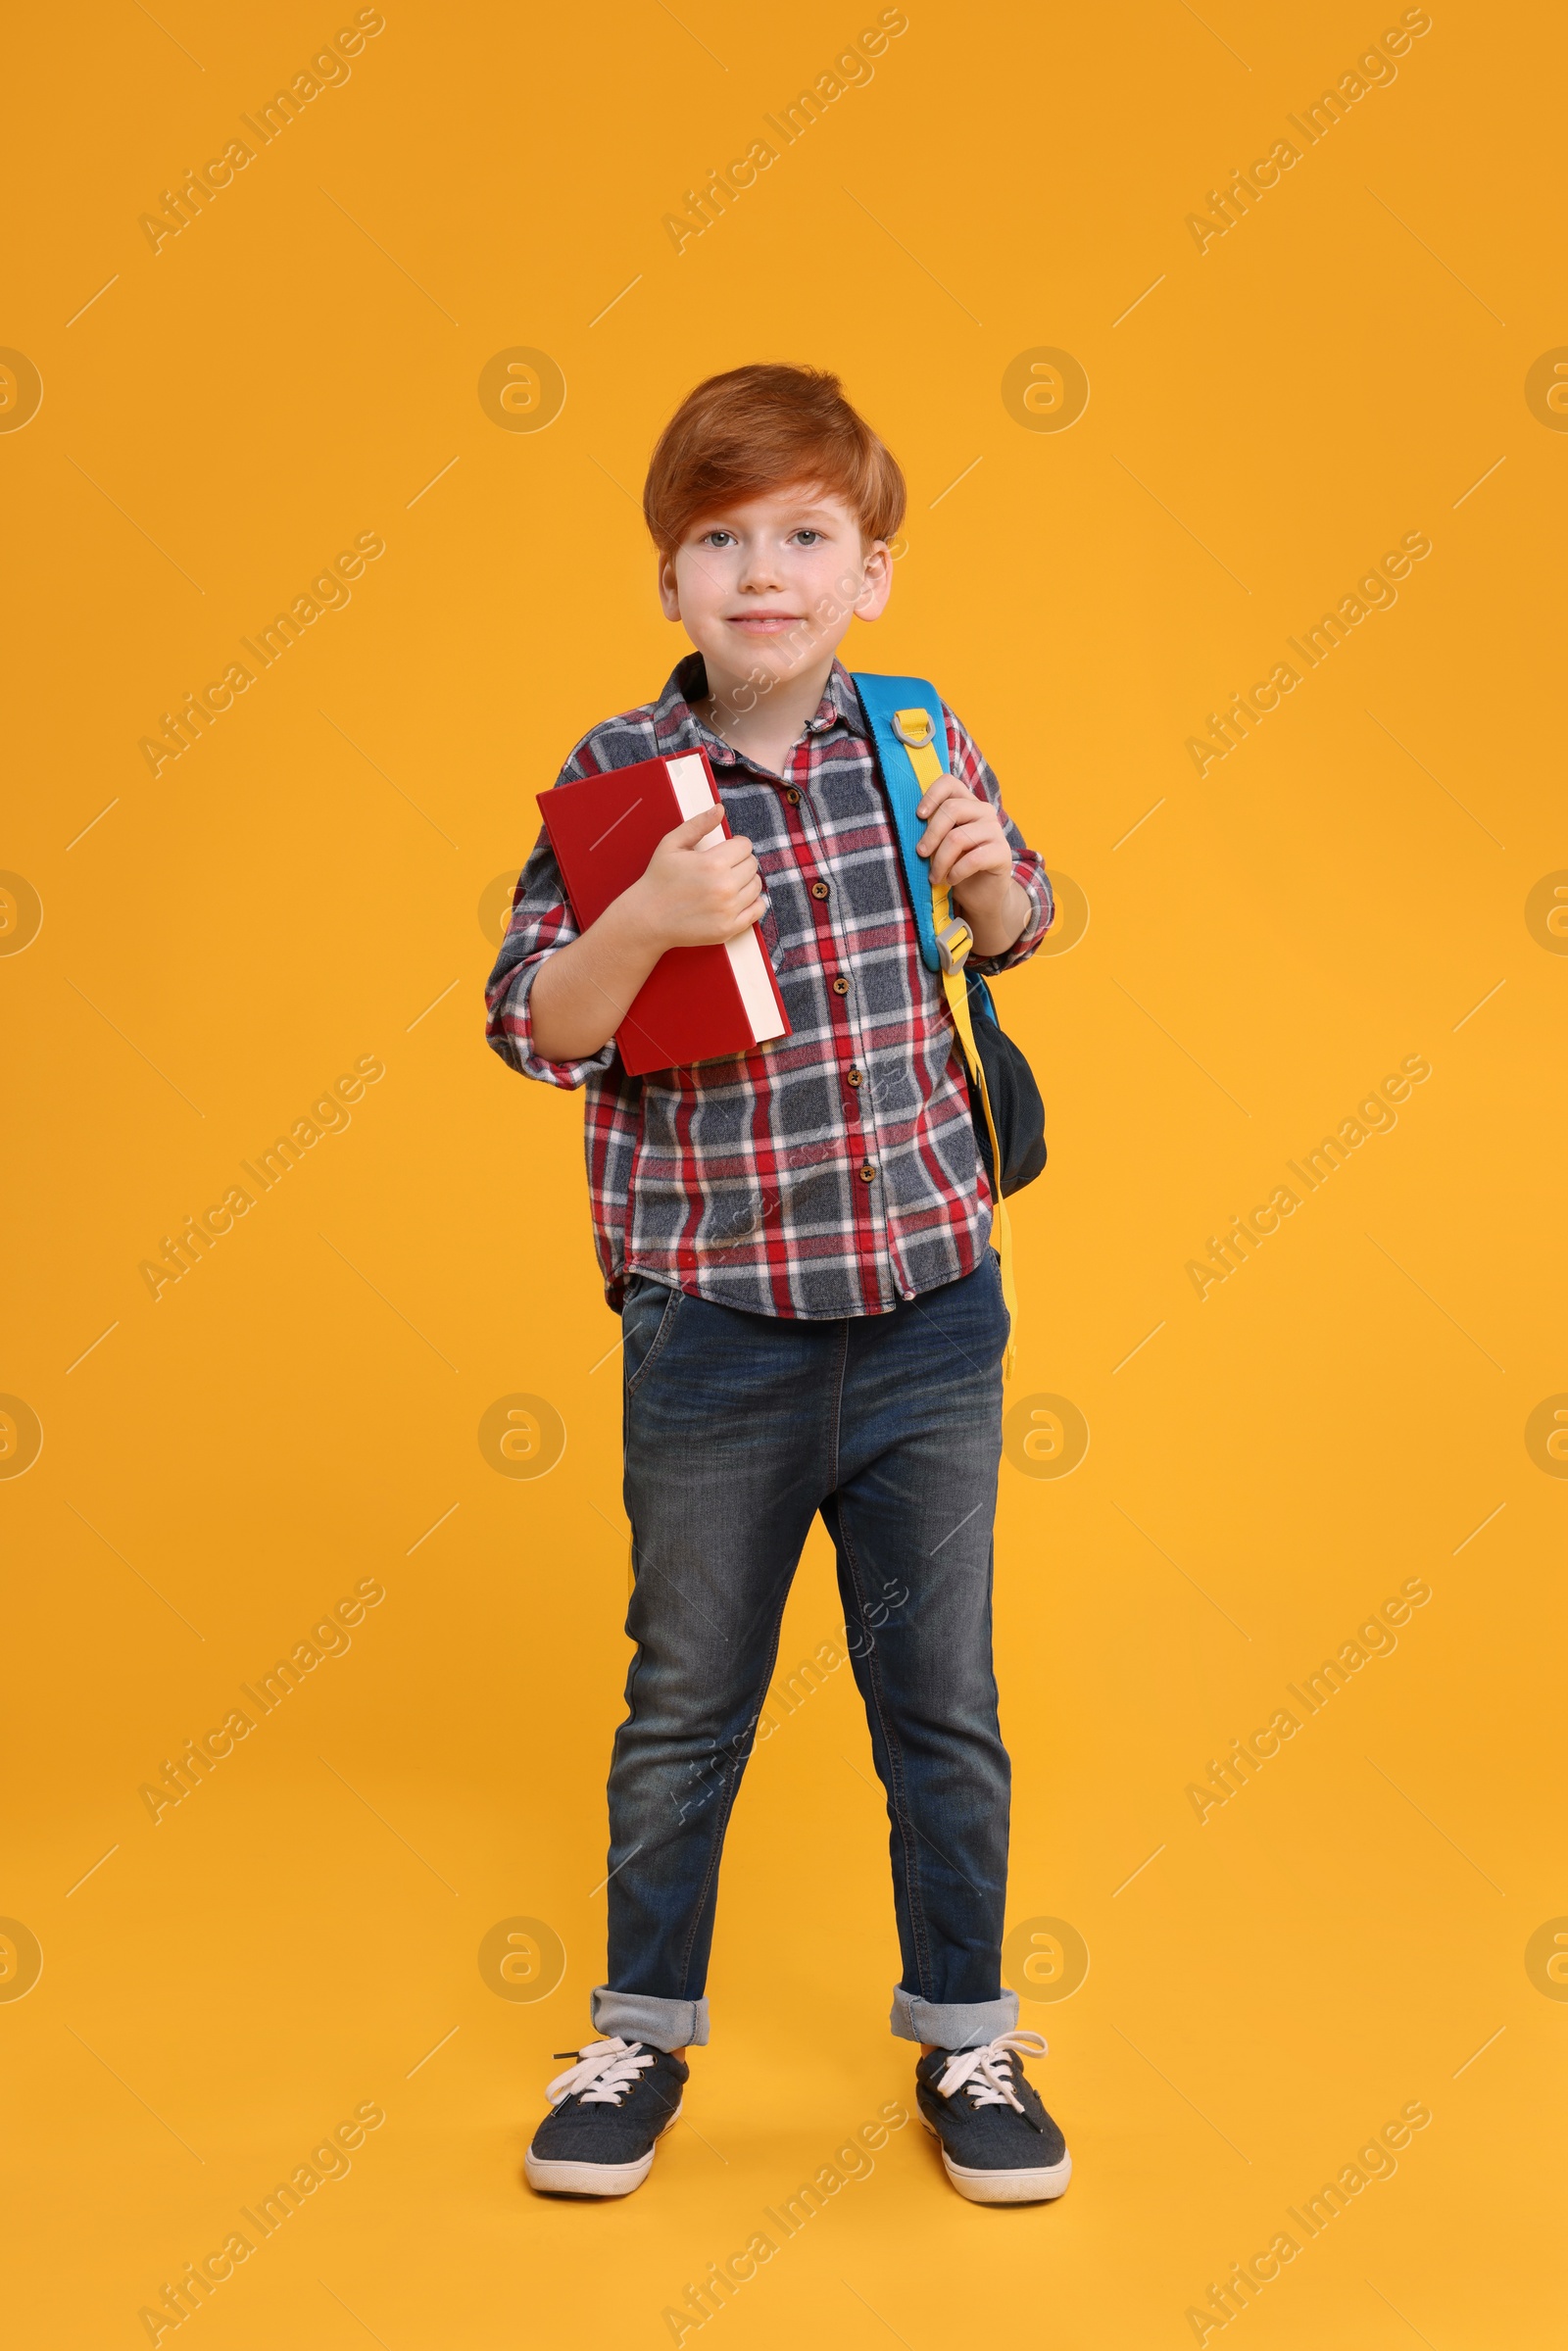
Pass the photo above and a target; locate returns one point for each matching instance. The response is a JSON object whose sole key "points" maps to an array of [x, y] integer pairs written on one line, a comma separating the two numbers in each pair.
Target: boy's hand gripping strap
{"points": [[918, 731]]}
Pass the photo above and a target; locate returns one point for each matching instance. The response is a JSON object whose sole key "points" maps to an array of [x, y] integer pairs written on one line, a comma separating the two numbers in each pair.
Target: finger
{"points": [[687, 835], [954, 806], [745, 917], [946, 787], [958, 841], [965, 859], [970, 817], [972, 868], [978, 862], [731, 885], [956, 809], [943, 819]]}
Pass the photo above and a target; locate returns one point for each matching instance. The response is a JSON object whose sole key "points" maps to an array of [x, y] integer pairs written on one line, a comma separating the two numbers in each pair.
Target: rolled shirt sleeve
{"points": [[542, 923], [968, 762]]}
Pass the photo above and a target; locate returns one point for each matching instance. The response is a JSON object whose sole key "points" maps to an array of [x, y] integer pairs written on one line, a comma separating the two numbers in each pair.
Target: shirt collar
{"points": [[677, 727]]}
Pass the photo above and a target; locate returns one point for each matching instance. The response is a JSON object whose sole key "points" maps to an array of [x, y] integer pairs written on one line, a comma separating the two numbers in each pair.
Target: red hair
{"points": [[762, 428]]}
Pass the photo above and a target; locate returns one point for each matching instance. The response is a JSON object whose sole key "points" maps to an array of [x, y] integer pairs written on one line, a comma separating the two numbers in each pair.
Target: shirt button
{"points": [[867, 1172], [840, 987], [855, 1077], [819, 889], [793, 797]]}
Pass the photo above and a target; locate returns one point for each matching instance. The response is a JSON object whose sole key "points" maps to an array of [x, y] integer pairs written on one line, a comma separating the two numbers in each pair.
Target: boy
{"points": [[797, 1239]]}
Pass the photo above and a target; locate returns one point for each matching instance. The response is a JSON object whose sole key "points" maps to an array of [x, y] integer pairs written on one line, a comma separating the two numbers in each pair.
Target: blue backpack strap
{"points": [[912, 762], [880, 697]]}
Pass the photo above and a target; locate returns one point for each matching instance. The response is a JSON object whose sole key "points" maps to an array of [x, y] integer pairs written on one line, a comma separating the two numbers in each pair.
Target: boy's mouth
{"points": [[765, 624]]}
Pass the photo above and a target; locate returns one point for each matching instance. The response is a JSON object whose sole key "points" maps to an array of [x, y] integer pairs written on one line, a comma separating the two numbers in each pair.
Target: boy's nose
{"points": [[759, 573]]}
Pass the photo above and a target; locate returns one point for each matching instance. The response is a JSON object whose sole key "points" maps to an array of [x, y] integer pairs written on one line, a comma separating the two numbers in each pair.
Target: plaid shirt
{"points": [[834, 1172]]}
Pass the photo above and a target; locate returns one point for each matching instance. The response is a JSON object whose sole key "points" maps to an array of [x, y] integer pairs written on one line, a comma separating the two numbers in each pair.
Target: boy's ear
{"points": [[668, 593], [871, 603]]}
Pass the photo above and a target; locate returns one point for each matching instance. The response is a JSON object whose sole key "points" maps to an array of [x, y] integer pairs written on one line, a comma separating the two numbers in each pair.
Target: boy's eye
{"points": [[806, 536], [715, 538]]}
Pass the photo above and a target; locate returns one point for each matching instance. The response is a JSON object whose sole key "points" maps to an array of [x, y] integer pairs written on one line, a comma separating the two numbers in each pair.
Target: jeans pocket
{"points": [[647, 1320], [1001, 1291]]}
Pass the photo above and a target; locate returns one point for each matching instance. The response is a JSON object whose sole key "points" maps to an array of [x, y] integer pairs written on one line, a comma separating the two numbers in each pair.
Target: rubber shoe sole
{"points": [[590, 2178], [1039, 2184]]}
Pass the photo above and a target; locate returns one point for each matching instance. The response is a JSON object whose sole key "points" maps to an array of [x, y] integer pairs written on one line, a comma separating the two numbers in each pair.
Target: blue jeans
{"points": [[738, 1429]]}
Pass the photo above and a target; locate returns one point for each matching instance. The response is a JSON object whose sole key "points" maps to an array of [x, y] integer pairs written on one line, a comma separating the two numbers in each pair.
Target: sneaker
{"points": [[999, 2144], [605, 2116]]}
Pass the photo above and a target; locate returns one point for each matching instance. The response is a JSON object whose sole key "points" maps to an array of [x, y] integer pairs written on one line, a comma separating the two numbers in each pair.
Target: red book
{"points": [[698, 1003]]}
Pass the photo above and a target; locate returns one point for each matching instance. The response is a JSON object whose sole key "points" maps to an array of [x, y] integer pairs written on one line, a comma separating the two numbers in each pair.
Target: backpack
{"points": [[1009, 1120]]}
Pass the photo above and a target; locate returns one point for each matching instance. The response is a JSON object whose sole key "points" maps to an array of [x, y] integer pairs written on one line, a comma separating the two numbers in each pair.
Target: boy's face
{"points": [[767, 589]]}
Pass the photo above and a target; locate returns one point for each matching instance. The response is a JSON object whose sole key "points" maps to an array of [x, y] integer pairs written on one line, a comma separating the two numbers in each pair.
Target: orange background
{"points": [[300, 1414]]}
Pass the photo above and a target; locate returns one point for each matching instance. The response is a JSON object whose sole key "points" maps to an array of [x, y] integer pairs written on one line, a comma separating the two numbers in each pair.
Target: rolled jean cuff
{"points": [[950, 2023], [661, 2024]]}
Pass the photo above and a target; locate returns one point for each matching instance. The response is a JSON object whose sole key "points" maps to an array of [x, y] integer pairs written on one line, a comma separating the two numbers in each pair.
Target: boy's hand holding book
{"points": [[668, 961], [701, 888]]}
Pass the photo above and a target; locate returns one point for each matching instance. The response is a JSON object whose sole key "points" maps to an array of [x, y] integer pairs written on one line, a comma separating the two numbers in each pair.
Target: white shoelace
{"points": [[606, 2070], [987, 2073]]}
